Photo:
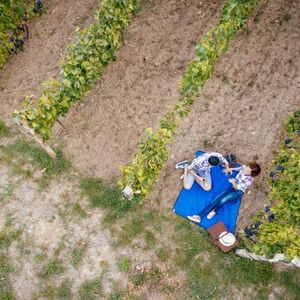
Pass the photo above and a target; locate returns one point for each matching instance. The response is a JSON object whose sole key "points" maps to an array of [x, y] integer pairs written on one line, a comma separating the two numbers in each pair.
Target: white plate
{"points": [[227, 239]]}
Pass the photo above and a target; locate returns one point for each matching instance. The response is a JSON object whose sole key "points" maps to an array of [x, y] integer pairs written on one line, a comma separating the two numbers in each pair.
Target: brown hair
{"points": [[255, 168]]}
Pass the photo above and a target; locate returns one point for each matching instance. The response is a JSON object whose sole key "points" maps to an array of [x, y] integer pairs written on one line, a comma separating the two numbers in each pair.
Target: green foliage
{"points": [[145, 168], [283, 234], [86, 59], [146, 165], [12, 13]]}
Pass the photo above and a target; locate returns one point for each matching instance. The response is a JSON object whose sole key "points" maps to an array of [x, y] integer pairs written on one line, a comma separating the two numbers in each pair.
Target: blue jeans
{"points": [[225, 197]]}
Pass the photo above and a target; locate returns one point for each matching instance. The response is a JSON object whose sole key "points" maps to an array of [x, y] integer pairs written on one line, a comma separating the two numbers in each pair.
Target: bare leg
{"points": [[201, 181], [187, 179]]}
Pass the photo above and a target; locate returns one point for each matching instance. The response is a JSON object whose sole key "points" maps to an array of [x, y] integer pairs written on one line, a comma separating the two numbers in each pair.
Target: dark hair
{"points": [[213, 160], [255, 168]]}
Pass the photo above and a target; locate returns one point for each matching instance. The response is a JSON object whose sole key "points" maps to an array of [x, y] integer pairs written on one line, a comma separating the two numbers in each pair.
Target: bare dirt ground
{"points": [[51, 228]]}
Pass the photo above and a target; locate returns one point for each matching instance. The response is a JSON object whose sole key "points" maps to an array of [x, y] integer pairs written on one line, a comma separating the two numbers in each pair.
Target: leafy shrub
{"points": [[11, 13], [145, 168], [282, 235], [86, 59]]}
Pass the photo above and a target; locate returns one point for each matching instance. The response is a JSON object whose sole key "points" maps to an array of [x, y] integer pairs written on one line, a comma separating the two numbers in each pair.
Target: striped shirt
{"points": [[242, 180], [200, 164]]}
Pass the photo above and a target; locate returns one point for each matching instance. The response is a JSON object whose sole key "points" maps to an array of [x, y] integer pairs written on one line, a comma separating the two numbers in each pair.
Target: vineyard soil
{"points": [[240, 110]]}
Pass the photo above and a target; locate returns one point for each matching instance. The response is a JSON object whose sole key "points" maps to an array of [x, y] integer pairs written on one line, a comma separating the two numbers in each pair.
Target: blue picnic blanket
{"points": [[191, 202]]}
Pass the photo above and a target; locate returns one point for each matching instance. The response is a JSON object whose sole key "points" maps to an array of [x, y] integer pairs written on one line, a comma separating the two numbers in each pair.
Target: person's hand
{"points": [[231, 180], [227, 170], [197, 176]]}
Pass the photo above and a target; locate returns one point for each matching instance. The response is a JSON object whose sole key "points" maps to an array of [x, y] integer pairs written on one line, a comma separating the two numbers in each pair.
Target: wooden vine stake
{"points": [[30, 132]]}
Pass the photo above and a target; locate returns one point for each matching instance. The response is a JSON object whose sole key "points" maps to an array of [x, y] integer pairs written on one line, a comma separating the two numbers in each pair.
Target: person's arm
{"points": [[198, 179], [236, 169], [234, 184], [223, 161], [193, 163]]}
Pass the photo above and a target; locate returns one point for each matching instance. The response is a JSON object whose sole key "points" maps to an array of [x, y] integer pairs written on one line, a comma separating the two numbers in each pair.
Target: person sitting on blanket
{"points": [[239, 185], [199, 169]]}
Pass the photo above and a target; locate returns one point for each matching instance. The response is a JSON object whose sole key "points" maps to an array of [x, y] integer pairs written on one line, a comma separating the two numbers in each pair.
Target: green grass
{"points": [[64, 290], [38, 258], [7, 236], [51, 268], [162, 253], [6, 195], [155, 276], [5, 269], [17, 168], [30, 153], [23, 248], [52, 293], [210, 273], [223, 271], [150, 239], [130, 230], [47, 292], [79, 211], [4, 130], [77, 255], [108, 197], [140, 223], [125, 264], [139, 279], [90, 290]]}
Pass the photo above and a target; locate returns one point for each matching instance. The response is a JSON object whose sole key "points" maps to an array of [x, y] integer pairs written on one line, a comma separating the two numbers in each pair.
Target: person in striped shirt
{"points": [[199, 169]]}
